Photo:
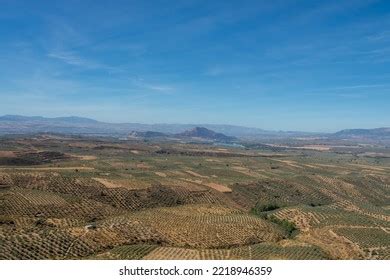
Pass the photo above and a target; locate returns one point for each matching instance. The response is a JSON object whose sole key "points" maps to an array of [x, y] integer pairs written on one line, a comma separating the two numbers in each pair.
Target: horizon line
{"points": [[192, 124]]}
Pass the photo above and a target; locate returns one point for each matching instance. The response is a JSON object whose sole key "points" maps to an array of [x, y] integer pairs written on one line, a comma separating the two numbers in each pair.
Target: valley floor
{"points": [[85, 198]]}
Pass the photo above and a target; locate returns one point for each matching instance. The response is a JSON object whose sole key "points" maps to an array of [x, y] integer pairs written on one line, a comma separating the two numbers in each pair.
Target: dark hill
{"points": [[147, 134], [204, 133]]}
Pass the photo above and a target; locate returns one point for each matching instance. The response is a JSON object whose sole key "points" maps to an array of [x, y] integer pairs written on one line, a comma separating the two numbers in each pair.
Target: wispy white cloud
{"points": [[359, 87], [350, 91], [68, 44], [159, 87], [141, 83], [330, 8], [215, 71], [381, 36], [351, 87], [71, 58], [68, 57], [123, 46], [220, 70]]}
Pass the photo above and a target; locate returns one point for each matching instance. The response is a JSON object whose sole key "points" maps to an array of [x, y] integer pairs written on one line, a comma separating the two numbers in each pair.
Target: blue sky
{"points": [[280, 65]]}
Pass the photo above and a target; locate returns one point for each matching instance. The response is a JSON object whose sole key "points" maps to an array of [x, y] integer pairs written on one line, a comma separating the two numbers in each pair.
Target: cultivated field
{"points": [[101, 198]]}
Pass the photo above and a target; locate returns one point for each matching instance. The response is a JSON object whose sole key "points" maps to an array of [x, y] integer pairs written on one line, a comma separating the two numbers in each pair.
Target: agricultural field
{"points": [[68, 197]]}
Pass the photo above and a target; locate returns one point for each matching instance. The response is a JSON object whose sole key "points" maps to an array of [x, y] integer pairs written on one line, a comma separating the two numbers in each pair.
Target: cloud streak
{"points": [[69, 58], [141, 83]]}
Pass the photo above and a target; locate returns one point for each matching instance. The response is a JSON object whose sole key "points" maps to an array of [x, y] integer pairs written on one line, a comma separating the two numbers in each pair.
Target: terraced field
{"points": [[86, 198]]}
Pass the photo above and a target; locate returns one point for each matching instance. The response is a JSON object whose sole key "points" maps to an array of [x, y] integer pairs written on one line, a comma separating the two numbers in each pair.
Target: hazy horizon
{"points": [[192, 123], [320, 66]]}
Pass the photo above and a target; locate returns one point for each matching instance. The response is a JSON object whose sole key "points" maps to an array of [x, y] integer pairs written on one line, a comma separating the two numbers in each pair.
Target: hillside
{"points": [[364, 133], [100, 198], [204, 133]]}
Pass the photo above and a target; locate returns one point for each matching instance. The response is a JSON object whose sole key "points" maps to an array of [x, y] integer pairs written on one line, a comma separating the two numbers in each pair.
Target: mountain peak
{"points": [[200, 129], [202, 132]]}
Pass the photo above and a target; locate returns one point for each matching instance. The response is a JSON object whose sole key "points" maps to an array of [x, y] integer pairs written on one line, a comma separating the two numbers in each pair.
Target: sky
{"points": [[280, 65]]}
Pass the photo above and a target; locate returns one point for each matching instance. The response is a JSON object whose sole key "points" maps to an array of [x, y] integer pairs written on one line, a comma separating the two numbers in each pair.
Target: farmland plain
{"points": [[66, 197]]}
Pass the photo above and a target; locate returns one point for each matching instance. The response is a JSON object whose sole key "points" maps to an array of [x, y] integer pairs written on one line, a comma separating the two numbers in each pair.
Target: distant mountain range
{"points": [[383, 132], [204, 133], [200, 133], [15, 124], [72, 119]]}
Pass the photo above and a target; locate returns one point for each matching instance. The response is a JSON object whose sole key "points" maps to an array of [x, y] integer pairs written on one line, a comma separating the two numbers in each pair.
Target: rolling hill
{"points": [[204, 133]]}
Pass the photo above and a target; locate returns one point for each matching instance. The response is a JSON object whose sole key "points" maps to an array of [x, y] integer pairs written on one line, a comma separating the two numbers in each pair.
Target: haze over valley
{"points": [[195, 130]]}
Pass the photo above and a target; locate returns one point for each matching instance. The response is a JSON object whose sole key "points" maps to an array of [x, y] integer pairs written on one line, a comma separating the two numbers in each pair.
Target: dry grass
{"points": [[9, 154], [130, 183], [195, 174], [161, 174], [219, 187], [193, 202], [50, 168], [143, 166], [84, 157]]}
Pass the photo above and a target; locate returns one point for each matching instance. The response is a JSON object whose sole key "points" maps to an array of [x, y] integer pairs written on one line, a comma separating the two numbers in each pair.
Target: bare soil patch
{"points": [[84, 157], [143, 166], [290, 163], [199, 182], [129, 184], [219, 187], [336, 246], [107, 183], [316, 147], [8, 154], [161, 174], [195, 174]]}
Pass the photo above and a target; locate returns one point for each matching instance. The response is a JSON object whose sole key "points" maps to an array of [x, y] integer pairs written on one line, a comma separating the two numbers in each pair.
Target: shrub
{"points": [[263, 208], [288, 226]]}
